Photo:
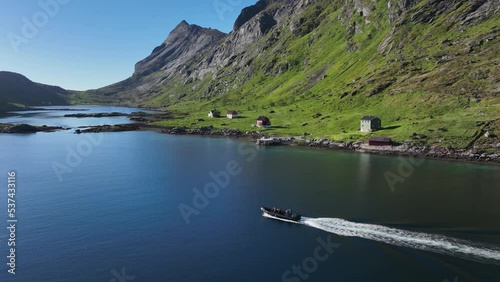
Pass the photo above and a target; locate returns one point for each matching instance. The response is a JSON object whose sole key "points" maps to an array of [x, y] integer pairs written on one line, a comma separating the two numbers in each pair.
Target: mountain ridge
{"points": [[16, 91], [221, 50], [177, 47], [433, 61]]}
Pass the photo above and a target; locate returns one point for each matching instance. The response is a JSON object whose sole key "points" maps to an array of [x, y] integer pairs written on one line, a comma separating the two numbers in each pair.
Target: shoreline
{"points": [[431, 153], [425, 152]]}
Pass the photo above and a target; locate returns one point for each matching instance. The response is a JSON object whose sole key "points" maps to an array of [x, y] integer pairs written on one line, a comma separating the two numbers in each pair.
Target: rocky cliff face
{"points": [[249, 12], [310, 38], [183, 44]]}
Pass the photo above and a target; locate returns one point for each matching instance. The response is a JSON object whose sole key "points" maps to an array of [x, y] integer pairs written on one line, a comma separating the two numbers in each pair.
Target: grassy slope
{"points": [[425, 93]]}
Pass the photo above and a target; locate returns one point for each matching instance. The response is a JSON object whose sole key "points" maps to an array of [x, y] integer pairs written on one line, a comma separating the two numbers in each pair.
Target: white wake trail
{"points": [[281, 219], [402, 238]]}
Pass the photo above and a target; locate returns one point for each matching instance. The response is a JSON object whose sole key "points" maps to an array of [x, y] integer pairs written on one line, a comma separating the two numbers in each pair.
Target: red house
{"points": [[380, 141], [263, 121]]}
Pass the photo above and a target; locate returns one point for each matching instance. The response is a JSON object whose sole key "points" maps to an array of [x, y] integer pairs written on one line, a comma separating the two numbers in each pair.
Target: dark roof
{"points": [[262, 118], [232, 112], [370, 118], [380, 139]]}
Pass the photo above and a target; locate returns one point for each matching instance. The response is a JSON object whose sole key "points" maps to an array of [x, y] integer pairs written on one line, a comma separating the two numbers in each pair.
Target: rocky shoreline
{"points": [[109, 128], [435, 152], [141, 117], [26, 128], [98, 115]]}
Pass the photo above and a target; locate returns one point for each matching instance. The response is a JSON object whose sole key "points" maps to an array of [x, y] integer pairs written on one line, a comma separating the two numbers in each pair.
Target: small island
{"points": [[26, 128]]}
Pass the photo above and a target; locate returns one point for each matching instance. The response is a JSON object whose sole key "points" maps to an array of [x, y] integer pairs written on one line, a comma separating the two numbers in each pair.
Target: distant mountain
{"points": [[17, 90]]}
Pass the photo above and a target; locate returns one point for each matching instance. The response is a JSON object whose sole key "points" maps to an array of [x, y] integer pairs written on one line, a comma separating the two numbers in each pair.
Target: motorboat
{"points": [[282, 214]]}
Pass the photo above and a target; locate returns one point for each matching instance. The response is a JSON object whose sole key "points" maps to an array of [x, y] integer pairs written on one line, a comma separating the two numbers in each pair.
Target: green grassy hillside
{"points": [[428, 69]]}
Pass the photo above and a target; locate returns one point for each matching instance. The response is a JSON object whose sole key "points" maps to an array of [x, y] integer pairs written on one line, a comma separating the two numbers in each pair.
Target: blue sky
{"points": [[87, 44]]}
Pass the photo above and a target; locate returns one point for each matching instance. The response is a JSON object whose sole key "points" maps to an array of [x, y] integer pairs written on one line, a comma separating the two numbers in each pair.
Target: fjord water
{"points": [[115, 216], [54, 116]]}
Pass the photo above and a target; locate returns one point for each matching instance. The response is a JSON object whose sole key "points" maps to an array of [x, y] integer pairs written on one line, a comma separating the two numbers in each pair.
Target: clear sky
{"points": [[87, 44]]}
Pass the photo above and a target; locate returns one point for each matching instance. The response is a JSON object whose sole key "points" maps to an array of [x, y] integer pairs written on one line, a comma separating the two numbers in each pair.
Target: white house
{"points": [[370, 124]]}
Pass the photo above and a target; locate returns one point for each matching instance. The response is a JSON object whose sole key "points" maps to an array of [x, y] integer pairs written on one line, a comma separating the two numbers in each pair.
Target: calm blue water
{"points": [[53, 116], [118, 210]]}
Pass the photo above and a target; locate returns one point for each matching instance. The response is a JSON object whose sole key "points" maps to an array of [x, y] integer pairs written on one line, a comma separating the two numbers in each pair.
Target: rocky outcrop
{"points": [[479, 11], [206, 131], [109, 128], [397, 7], [136, 116], [403, 12], [249, 12], [21, 128], [26, 128], [97, 115]]}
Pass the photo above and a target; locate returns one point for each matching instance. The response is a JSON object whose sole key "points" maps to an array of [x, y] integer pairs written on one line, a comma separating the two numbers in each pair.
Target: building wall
{"points": [[365, 126], [376, 124], [369, 126], [263, 124]]}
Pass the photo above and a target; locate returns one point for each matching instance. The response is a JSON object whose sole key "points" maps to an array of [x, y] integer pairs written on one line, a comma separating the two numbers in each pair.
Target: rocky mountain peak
{"points": [[410, 38], [249, 12], [184, 42]]}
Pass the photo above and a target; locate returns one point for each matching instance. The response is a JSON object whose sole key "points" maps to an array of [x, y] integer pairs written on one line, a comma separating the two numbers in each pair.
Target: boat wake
{"points": [[282, 219], [402, 238]]}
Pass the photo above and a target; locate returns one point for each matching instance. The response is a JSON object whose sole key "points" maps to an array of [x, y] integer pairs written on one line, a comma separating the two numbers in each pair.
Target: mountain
{"points": [[17, 90], [185, 44], [418, 64]]}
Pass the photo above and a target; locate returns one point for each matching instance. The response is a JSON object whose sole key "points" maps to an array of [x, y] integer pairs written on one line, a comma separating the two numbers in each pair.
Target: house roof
{"points": [[370, 118], [232, 112], [214, 111], [262, 118], [380, 139]]}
